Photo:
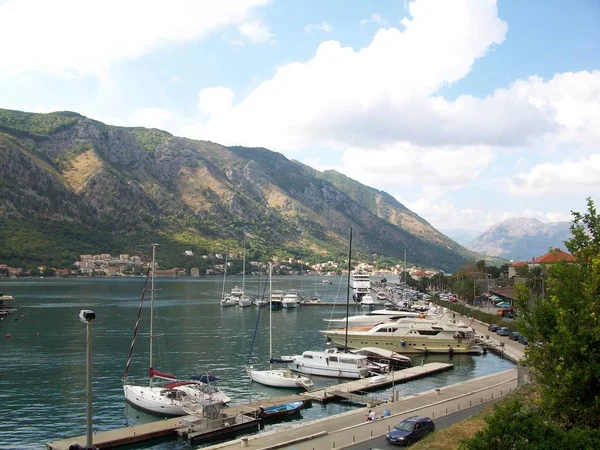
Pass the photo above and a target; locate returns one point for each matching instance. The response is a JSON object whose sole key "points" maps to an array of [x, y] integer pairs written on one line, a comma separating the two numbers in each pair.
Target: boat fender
{"points": [[403, 344]]}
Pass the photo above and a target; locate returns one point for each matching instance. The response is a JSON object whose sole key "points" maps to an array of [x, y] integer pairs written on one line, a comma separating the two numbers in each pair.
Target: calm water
{"points": [[42, 364]]}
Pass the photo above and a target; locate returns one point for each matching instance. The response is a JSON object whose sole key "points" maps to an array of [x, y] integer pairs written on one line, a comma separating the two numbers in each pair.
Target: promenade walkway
{"points": [[346, 429]]}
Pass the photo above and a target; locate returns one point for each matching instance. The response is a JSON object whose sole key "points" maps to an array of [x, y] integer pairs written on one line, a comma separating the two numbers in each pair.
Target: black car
{"points": [[410, 430], [514, 336], [493, 327], [523, 340]]}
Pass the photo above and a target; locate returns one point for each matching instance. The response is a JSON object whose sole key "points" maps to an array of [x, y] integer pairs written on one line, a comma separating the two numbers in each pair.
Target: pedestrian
{"points": [[371, 416]]}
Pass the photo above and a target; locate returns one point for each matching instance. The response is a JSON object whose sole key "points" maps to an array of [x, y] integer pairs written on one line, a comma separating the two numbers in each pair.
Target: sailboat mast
{"points": [[348, 290], [270, 315], [152, 304], [404, 266], [244, 272], [224, 276]]}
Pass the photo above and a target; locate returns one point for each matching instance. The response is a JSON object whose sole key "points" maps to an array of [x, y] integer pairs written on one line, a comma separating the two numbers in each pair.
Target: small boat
{"points": [[290, 300], [392, 359], [226, 300], [326, 282], [287, 409], [6, 308], [276, 300]]}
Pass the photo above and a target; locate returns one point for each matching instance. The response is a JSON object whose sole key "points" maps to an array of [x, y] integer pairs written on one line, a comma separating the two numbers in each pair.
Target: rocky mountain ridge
{"points": [[521, 238], [103, 188]]}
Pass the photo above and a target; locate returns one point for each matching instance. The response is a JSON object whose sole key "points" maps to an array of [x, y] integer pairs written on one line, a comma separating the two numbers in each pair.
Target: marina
{"points": [[240, 417], [47, 350]]}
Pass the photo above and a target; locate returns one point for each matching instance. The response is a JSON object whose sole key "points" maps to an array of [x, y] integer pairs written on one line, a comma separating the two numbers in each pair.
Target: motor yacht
{"points": [[431, 334]]}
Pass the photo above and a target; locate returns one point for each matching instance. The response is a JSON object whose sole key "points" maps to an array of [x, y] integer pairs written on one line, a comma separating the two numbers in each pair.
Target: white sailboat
{"points": [[226, 300], [243, 299], [277, 377], [169, 397]]}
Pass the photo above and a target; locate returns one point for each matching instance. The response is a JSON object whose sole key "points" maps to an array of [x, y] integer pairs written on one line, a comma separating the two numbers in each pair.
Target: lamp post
{"points": [[86, 316]]}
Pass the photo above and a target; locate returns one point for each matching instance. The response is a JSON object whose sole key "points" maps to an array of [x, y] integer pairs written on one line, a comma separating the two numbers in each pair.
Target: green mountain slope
{"points": [[76, 185]]}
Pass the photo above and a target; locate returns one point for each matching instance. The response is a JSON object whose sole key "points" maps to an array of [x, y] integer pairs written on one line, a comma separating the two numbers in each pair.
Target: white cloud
{"points": [[215, 100], [73, 38], [435, 169], [255, 32], [342, 97], [375, 18], [568, 176], [323, 26], [384, 100]]}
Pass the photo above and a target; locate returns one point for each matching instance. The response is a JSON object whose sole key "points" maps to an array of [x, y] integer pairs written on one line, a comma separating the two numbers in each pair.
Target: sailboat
{"points": [[226, 300], [277, 377], [168, 396], [243, 299]]}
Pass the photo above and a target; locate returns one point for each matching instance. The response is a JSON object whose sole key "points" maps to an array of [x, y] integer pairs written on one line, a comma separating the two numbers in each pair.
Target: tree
{"points": [[535, 281], [564, 330]]}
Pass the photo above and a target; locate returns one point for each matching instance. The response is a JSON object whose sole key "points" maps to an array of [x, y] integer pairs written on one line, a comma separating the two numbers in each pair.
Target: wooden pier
{"points": [[236, 417]]}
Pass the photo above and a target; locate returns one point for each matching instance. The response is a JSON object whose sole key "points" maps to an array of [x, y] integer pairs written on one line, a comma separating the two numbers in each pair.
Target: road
{"points": [[441, 423]]}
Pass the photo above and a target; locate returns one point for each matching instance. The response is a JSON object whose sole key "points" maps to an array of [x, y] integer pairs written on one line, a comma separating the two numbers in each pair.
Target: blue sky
{"points": [[467, 111]]}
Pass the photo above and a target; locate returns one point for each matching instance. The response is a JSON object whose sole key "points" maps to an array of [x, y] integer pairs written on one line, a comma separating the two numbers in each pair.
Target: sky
{"points": [[466, 111]]}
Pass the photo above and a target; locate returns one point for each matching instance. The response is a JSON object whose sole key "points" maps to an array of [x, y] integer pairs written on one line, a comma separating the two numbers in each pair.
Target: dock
{"points": [[234, 418]]}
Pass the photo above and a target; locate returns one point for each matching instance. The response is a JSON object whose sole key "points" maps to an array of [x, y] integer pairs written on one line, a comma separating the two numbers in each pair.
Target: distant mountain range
{"points": [[462, 235], [71, 185], [521, 238]]}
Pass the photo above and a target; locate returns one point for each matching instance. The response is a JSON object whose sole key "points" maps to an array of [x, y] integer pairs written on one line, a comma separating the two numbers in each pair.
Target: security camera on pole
{"points": [[86, 316]]}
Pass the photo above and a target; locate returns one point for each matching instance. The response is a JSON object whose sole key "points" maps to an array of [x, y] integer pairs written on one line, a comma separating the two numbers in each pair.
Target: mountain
{"points": [[72, 185], [462, 235], [521, 238]]}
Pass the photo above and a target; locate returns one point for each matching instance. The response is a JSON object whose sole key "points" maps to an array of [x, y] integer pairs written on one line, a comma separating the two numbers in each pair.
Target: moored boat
{"points": [[329, 363], [290, 300], [286, 409], [409, 335]]}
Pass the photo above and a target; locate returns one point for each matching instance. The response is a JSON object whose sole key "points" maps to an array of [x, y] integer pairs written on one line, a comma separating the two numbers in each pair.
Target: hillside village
{"points": [[125, 265]]}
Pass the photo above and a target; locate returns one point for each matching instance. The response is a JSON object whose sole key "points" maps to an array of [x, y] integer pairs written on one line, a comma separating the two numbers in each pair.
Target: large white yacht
{"points": [[361, 284], [329, 363], [441, 334]]}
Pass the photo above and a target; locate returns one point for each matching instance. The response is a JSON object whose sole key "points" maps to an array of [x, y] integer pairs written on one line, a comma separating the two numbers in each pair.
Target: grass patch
{"points": [[451, 437]]}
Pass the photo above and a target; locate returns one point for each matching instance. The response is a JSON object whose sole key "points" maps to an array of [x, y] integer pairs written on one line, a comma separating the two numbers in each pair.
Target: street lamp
{"points": [[86, 316]]}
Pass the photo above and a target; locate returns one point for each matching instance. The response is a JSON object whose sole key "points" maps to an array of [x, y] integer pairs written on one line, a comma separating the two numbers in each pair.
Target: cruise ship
{"points": [[360, 284], [410, 335]]}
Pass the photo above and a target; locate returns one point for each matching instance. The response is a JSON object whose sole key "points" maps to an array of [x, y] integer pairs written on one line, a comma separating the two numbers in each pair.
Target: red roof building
{"points": [[553, 256]]}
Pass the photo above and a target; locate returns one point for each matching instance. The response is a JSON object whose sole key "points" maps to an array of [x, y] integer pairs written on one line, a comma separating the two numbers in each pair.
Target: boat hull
{"points": [[150, 400], [330, 372], [402, 344], [279, 378]]}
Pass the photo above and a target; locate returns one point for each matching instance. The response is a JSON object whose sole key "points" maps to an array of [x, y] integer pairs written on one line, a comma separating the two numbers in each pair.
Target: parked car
{"points": [[503, 331], [493, 327], [410, 430], [523, 340], [514, 336]]}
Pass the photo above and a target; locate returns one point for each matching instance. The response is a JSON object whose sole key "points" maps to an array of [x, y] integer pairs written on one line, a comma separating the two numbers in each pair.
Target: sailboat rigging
{"points": [[276, 377], [176, 397], [226, 300], [331, 362]]}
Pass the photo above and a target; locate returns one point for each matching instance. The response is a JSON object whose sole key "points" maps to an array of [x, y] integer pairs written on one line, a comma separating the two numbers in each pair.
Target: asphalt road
{"points": [[441, 423]]}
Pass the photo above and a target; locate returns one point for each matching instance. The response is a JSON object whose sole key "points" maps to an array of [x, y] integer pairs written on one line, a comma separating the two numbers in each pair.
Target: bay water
{"points": [[43, 349]]}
